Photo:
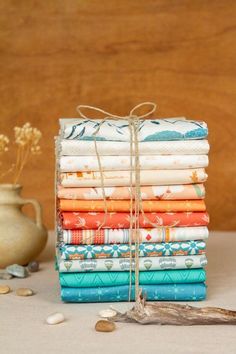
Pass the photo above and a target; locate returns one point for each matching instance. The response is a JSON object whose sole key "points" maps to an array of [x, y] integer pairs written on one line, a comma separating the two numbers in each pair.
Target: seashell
{"points": [[107, 313]]}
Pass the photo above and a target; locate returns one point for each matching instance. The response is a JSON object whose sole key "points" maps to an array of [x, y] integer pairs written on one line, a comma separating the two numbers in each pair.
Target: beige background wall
{"points": [[115, 54]]}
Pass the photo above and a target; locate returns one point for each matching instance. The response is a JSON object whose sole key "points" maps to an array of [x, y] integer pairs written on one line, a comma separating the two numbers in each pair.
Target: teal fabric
{"points": [[183, 248], [165, 292], [97, 279]]}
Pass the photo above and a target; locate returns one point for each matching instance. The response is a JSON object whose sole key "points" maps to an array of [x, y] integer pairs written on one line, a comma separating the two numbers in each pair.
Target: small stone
{"points": [[107, 313], [4, 289], [24, 292], [33, 266], [17, 271], [55, 318], [4, 275], [105, 326]]}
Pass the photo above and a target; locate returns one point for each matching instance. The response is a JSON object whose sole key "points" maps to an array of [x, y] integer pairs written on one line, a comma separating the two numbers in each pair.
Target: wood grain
{"points": [[165, 313], [115, 54]]}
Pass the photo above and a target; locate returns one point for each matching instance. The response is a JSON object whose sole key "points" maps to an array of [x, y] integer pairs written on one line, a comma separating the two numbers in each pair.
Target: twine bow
{"points": [[110, 115]]}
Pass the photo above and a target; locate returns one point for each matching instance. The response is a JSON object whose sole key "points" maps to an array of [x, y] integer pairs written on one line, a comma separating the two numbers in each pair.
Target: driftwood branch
{"points": [[164, 313]]}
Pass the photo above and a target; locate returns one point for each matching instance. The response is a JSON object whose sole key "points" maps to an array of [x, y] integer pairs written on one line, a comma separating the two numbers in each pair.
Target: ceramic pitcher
{"points": [[21, 239]]}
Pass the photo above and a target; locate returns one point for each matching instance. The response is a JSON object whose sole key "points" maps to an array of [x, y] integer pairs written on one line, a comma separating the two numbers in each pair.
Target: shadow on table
{"points": [[221, 263]]}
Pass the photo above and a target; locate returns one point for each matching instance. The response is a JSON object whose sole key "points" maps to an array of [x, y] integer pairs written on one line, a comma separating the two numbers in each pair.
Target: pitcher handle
{"points": [[37, 208]]}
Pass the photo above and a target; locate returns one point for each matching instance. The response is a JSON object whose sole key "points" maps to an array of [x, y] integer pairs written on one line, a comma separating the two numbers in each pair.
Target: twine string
{"points": [[134, 179], [137, 206], [131, 209], [108, 115]]}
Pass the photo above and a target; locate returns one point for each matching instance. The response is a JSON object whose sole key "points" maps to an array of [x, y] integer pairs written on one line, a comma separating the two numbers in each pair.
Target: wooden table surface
{"points": [[23, 329]]}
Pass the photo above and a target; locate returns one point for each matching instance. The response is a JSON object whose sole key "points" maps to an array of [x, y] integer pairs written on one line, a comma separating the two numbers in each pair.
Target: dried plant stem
{"points": [[17, 165], [18, 158], [23, 153], [164, 313], [2, 175]]}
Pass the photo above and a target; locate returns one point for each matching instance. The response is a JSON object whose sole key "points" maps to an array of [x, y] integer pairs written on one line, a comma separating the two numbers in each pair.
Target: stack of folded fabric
{"points": [[95, 252]]}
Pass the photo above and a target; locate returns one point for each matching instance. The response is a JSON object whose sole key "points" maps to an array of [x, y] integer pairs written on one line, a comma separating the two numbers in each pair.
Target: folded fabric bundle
{"points": [[119, 130], [122, 178], [165, 292], [174, 192], [125, 205], [123, 250], [106, 236], [97, 279], [115, 148], [93, 220], [97, 250], [111, 163], [123, 264]]}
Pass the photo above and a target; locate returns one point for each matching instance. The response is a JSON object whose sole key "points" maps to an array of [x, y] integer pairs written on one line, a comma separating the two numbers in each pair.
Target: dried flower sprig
{"points": [[4, 141], [27, 141]]}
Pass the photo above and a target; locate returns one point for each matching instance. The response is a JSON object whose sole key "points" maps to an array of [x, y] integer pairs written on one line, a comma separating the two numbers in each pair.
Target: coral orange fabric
{"points": [[80, 220], [124, 205]]}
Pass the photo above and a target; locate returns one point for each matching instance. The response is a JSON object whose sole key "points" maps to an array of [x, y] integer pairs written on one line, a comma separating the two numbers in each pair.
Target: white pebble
{"points": [[55, 318], [107, 313]]}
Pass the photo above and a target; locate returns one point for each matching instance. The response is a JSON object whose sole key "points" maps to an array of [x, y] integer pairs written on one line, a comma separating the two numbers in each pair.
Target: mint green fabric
{"points": [[96, 279]]}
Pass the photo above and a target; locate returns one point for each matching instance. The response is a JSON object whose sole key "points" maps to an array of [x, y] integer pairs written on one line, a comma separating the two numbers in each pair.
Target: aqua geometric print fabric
{"points": [[98, 279], [164, 292], [123, 250]]}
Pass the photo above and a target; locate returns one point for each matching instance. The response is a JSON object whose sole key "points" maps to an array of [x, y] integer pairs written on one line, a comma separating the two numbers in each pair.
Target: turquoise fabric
{"points": [[166, 292], [97, 279], [183, 248]]}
